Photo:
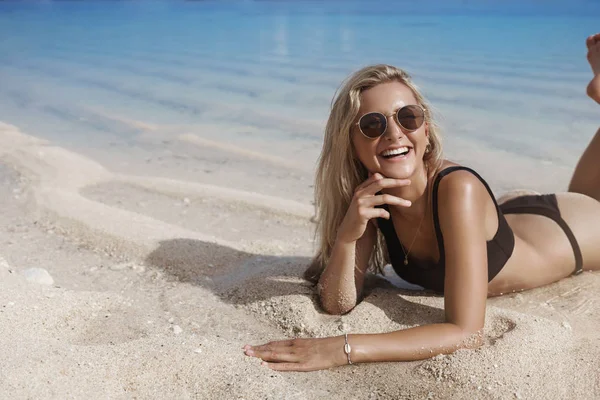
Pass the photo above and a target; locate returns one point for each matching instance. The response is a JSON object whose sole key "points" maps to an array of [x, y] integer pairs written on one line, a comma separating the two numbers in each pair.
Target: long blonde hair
{"points": [[339, 172]]}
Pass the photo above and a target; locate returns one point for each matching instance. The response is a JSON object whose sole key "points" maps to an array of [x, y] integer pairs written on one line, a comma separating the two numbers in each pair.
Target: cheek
{"points": [[420, 140], [365, 151]]}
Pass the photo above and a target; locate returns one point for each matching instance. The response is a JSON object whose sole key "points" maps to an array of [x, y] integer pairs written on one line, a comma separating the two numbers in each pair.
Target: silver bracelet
{"points": [[347, 348]]}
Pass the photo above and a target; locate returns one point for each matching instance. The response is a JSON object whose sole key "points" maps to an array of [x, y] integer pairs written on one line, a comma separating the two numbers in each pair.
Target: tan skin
{"points": [[467, 218]]}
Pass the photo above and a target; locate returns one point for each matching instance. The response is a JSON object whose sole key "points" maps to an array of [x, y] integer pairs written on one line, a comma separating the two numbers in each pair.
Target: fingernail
{"points": [[249, 352]]}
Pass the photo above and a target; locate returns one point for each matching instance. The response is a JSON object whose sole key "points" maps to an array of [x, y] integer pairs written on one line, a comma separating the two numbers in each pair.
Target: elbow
{"points": [[471, 339], [462, 339], [334, 311], [336, 307], [336, 303]]}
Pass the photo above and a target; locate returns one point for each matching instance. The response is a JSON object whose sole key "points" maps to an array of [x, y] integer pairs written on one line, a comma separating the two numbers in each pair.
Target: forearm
{"points": [[338, 283], [411, 344]]}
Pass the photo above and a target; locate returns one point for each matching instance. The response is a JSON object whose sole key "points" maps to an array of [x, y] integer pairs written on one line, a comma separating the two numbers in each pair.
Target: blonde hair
{"points": [[339, 172]]}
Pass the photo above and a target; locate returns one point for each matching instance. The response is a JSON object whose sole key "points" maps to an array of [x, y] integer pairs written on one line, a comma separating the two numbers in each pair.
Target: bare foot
{"points": [[593, 56]]}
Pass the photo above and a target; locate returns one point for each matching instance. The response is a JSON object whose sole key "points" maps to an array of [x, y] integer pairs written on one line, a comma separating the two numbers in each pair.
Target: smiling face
{"points": [[387, 153]]}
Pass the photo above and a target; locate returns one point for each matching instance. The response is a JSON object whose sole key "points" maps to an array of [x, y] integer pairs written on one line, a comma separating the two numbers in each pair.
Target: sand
{"points": [[130, 273]]}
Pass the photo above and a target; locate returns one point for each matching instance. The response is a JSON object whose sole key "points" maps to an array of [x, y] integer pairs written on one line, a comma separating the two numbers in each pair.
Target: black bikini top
{"points": [[429, 274]]}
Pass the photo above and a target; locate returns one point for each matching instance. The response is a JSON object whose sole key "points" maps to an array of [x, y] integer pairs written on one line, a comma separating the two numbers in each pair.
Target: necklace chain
{"points": [[406, 253]]}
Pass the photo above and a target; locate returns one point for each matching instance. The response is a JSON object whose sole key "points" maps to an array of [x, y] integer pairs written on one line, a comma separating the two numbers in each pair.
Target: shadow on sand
{"points": [[241, 278]]}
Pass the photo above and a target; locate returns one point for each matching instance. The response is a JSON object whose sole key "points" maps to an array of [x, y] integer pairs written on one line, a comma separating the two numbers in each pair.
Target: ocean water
{"points": [[507, 76]]}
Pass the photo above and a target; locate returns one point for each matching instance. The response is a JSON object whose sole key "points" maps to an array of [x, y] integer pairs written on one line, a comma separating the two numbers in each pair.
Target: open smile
{"points": [[396, 154]]}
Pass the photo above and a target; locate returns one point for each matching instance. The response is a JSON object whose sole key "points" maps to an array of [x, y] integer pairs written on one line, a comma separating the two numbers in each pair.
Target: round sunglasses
{"points": [[374, 124]]}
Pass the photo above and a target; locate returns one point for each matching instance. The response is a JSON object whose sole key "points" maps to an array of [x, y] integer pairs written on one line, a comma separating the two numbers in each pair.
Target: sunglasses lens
{"points": [[372, 125], [411, 117]]}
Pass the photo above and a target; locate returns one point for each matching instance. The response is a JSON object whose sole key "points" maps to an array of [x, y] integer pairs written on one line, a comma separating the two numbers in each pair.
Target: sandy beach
{"points": [[156, 193], [119, 282]]}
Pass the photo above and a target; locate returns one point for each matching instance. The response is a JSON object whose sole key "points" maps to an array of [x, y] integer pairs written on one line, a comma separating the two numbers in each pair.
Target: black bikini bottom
{"points": [[547, 205]]}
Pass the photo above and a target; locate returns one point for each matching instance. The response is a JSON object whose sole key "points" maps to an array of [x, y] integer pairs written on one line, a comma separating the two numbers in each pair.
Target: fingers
{"points": [[367, 213], [280, 351], [367, 200], [283, 355], [274, 343], [377, 185], [287, 366], [278, 356], [384, 199], [372, 178], [386, 182]]}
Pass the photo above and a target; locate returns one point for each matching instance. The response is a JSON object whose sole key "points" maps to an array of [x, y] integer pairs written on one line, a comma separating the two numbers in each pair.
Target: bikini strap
{"points": [[434, 195]]}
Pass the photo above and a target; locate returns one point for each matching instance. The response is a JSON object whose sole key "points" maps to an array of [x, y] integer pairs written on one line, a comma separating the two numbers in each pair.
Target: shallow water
{"points": [[261, 75]]}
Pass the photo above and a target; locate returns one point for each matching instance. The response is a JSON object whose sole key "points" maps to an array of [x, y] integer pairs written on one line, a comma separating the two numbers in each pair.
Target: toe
{"points": [[589, 42], [592, 40]]}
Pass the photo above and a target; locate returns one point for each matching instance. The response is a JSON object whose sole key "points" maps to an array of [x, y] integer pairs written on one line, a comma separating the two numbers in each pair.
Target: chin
{"points": [[403, 172]]}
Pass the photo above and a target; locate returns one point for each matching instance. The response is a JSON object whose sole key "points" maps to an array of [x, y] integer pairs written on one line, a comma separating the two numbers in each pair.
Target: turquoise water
{"points": [[500, 75]]}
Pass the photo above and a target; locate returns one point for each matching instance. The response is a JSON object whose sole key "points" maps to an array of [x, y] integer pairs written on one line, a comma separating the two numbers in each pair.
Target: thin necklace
{"points": [[406, 253]]}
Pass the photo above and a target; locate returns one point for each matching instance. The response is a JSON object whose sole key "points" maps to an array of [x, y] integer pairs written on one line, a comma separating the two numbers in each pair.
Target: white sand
{"points": [[158, 282]]}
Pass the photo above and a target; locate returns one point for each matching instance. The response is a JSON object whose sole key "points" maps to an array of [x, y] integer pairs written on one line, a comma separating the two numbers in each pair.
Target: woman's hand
{"points": [[301, 354], [363, 205]]}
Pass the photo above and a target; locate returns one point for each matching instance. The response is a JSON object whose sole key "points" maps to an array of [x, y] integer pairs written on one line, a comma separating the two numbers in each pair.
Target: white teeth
{"points": [[395, 152]]}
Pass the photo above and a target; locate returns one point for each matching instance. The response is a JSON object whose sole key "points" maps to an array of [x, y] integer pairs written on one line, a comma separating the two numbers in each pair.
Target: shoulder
{"points": [[460, 192], [454, 184]]}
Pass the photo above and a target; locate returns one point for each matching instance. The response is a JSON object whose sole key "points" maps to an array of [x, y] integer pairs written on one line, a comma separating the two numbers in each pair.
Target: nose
{"points": [[392, 130]]}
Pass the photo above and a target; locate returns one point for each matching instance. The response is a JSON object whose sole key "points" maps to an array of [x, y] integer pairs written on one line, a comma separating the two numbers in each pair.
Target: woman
{"points": [[440, 225]]}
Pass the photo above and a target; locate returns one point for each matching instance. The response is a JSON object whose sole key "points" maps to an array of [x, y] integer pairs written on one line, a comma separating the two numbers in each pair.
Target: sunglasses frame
{"points": [[395, 115]]}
